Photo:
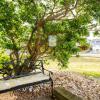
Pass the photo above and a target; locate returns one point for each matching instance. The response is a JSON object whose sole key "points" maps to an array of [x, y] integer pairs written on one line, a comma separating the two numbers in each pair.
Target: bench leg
{"points": [[52, 88]]}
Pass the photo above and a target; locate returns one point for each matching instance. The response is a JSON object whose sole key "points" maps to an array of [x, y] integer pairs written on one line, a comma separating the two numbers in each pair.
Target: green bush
{"points": [[3, 57]]}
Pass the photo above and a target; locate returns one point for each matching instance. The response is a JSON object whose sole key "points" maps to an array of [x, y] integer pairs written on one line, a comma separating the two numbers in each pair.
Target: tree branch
{"points": [[30, 38], [60, 12]]}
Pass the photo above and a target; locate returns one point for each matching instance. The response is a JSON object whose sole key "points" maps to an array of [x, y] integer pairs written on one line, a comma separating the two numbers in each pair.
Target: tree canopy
{"points": [[25, 26]]}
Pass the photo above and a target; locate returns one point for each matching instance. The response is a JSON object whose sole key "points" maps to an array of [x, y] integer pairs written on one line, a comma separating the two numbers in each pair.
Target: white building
{"points": [[94, 42]]}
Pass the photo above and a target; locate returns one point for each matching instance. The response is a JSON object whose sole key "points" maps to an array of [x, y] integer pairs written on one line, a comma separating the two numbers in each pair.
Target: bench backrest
{"points": [[7, 67]]}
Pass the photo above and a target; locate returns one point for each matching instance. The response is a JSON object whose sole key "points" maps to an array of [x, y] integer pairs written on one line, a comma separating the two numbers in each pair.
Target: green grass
{"points": [[86, 65]]}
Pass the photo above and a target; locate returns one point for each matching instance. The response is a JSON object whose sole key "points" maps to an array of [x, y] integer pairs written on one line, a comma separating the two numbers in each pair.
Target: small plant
{"points": [[5, 70], [4, 57]]}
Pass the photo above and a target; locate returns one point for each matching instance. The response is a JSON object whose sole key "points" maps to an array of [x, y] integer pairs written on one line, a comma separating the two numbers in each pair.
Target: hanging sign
{"points": [[52, 40]]}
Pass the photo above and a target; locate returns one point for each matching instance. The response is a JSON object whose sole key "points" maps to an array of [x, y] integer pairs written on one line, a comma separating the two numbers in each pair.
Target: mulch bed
{"points": [[87, 88]]}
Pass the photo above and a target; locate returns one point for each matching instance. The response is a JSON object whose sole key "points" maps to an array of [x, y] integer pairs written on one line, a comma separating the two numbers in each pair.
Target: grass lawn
{"points": [[85, 65]]}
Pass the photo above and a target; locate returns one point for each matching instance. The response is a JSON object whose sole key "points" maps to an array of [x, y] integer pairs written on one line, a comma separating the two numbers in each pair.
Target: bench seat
{"points": [[23, 81]]}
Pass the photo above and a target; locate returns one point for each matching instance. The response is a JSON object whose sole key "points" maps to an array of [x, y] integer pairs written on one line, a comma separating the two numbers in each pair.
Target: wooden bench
{"points": [[61, 94], [21, 81]]}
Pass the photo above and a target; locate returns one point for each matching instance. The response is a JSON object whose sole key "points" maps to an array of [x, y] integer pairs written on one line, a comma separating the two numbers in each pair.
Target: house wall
{"points": [[94, 41], [96, 45]]}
